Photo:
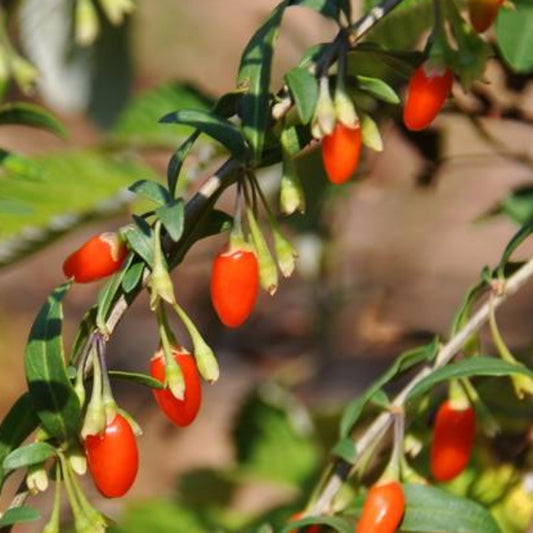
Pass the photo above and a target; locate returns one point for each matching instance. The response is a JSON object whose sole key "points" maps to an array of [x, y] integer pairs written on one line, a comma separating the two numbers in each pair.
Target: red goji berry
{"points": [[113, 457], [426, 95], [101, 256], [341, 151], [483, 13], [234, 285], [383, 509], [180, 412], [453, 438]]}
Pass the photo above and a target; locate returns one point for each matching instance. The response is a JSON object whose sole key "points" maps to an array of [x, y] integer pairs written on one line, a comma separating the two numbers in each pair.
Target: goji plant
{"points": [[336, 100]]}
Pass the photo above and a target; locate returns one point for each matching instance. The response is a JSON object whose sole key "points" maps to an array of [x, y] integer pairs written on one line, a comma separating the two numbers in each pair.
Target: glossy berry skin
{"points": [[426, 95], [234, 285], [383, 509], [453, 438], [101, 256], [179, 412], [113, 458], [483, 13], [340, 152]]}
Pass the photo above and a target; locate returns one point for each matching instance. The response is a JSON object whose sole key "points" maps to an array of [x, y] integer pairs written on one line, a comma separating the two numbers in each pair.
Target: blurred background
{"points": [[384, 260]]}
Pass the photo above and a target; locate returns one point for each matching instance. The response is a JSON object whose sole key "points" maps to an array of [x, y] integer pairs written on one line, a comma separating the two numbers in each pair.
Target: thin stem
{"points": [[342, 470]]}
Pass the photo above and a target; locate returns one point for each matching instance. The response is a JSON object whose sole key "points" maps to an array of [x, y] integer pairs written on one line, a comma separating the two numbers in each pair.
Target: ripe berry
{"points": [[483, 13], [113, 457], [341, 151], [180, 412], [383, 509], [234, 285], [101, 256], [453, 438], [426, 95]]}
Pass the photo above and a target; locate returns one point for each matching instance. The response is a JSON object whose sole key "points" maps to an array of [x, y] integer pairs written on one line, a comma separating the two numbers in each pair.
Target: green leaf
{"points": [[518, 238], [132, 276], [53, 395], [85, 329], [514, 32], [216, 127], [254, 75], [152, 190], [31, 454], [18, 515], [138, 125], [346, 450], [473, 366], [140, 241], [137, 378], [31, 115], [171, 217], [405, 361], [20, 167], [378, 88], [518, 205], [74, 188], [108, 294], [342, 525], [19, 422], [439, 511], [176, 162], [328, 8], [274, 438], [304, 89]]}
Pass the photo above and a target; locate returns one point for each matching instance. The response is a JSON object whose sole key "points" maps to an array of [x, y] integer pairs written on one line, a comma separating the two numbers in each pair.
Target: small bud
{"points": [[292, 197], [78, 461], [268, 273], [285, 253], [25, 73], [161, 287], [87, 25], [115, 10], [37, 479], [174, 378], [324, 118], [344, 109], [370, 134]]}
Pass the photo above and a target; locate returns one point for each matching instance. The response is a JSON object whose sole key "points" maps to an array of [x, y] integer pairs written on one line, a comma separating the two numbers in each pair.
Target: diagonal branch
{"points": [[341, 470]]}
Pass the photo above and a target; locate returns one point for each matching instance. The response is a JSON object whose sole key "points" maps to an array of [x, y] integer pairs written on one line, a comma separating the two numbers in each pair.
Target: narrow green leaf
{"points": [[137, 378], [18, 515], [405, 361], [216, 127], [328, 8], [109, 292], [176, 162], [518, 238], [31, 454], [31, 115], [140, 242], [86, 327], [171, 217], [152, 190], [53, 395], [254, 75], [132, 276], [346, 450], [514, 32], [378, 88], [19, 422], [473, 366], [304, 89], [342, 525], [432, 509]]}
